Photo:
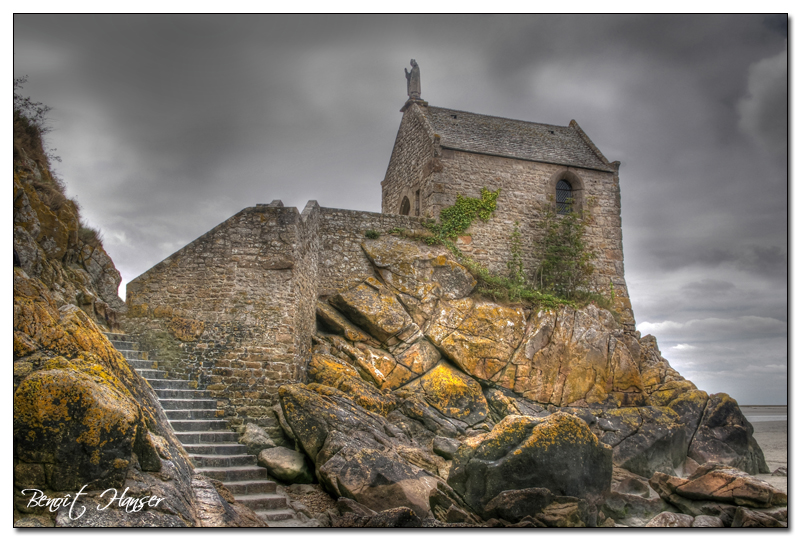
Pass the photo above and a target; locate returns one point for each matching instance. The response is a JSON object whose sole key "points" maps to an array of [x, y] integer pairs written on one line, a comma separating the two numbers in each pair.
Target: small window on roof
{"points": [[564, 197]]}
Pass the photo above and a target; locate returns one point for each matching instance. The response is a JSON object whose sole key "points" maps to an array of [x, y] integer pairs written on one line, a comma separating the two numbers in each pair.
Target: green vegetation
{"points": [[372, 234], [565, 267], [455, 220], [564, 273]]}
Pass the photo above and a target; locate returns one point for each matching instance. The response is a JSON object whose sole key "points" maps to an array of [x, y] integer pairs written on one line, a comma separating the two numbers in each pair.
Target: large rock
{"points": [[358, 454], [670, 519], [725, 436], [644, 439], [451, 393], [286, 465], [377, 479], [717, 482], [375, 308], [745, 517], [575, 357], [478, 336], [84, 417], [256, 439], [418, 274], [558, 453], [78, 422]]}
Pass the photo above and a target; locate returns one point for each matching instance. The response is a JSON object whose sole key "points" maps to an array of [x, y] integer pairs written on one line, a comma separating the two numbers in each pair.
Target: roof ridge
{"points": [[499, 117]]}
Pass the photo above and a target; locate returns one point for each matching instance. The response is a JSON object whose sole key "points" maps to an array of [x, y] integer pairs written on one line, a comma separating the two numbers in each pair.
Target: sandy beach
{"points": [[771, 426]]}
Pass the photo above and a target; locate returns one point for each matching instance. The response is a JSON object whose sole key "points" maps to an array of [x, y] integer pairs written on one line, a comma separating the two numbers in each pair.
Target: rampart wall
{"points": [[234, 310]]}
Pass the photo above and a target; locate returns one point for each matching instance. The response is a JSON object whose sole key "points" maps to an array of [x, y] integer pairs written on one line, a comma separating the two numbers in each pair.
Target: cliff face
{"points": [[51, 245]]}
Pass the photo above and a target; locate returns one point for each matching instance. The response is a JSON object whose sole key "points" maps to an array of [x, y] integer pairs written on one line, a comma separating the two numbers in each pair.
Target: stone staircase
{"points": [[211, 445]]}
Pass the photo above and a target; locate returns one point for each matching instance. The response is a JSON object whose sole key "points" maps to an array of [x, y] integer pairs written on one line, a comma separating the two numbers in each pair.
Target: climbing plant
{"points": [[455, 220], [565, 267]]}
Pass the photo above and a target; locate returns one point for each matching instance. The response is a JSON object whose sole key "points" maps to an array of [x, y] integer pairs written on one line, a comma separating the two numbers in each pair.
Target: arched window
{"points": [[564, 197], [405, 206]]}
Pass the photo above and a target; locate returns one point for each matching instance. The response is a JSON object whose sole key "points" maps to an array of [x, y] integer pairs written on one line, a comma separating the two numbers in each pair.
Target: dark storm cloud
{"points": [[168, 125]]}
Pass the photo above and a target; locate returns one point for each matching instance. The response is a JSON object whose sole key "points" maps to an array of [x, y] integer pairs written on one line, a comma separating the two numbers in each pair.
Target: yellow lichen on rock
{"points": [[452, 393]]}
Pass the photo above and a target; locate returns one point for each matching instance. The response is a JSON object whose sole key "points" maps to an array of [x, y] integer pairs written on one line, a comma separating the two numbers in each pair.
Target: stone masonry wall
{"points": [[234, 311], [342, 262], [411, 162], [227, 309], [525, 189]]}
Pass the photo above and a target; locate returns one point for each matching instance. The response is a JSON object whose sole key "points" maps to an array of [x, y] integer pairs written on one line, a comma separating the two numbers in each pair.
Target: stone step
{"points": [[277, 515], [112, 336], [205, 461], [182, 394], [250, 487], [172, 404], [124, 345], [143, 364], [169, 384], [207, 437], [192, 414], [233, 474], [263, 501], [134, 355], [199, 425], [215, 449], [152, 374]]}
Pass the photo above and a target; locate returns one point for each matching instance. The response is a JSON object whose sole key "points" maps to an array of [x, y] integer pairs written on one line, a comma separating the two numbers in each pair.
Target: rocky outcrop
{"points": [[523, 414], [51, 245], [724, 435], [84, 420], [558, 453], [718, 490]]}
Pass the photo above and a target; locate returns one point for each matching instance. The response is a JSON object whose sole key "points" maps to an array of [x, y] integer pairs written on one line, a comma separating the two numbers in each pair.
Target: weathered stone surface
{"points": [[286, 465], [84, 417], [717, 482], [377, 479], [420, 357], [345, 505], [47, 247], [256, 439], [575, 357], [515, 504], [445, 446], [394, 518], [419, 274], [670, 519], [724, 435], [501, 404], [312, 415], [84, 428], [564, 512], [338, 323], [478, 336], [666, 486], [375, 308], [559, 453], [452, 393], [645, 439], [707, 522], [745, 517]]}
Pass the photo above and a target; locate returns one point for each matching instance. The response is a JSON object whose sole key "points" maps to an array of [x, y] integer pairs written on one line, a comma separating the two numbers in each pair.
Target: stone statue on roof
{"points": [[412, 81]]}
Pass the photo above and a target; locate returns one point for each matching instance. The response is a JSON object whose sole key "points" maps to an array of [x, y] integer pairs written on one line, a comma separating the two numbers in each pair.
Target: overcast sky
{"points": [[168, 125]]}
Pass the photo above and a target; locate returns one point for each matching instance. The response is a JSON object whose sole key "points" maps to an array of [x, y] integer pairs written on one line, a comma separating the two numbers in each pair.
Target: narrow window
{"points": [[416, 203], [405, 207], [564, 198]]}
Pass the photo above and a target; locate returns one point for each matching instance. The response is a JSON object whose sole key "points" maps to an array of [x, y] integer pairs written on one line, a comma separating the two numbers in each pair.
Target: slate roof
{"points": [[562, 145]]}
